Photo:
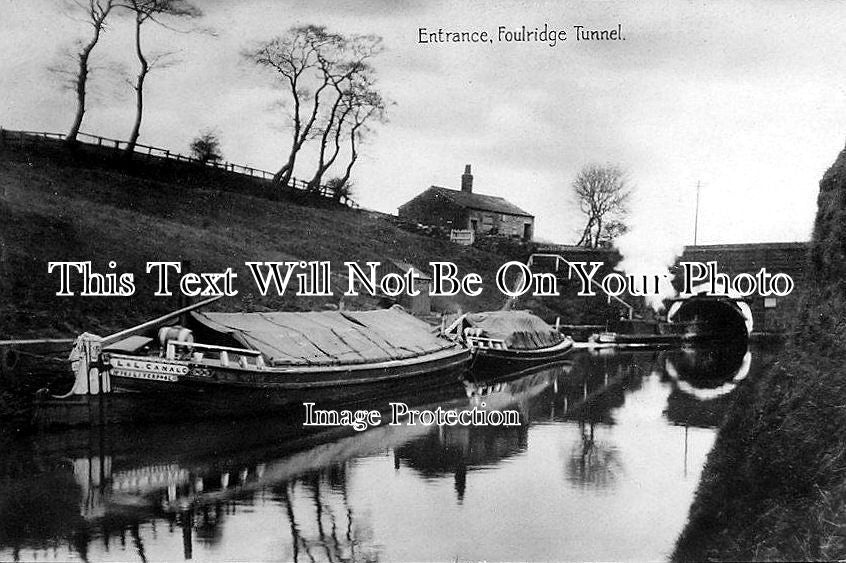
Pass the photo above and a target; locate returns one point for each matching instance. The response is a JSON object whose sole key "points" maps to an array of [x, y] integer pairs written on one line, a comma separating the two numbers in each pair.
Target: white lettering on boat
{"points": [[144, 375], [147, 366]]}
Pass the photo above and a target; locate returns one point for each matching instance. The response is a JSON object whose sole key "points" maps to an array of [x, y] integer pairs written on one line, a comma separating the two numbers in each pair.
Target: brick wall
{"points": [[789, 258], [506, 225]]}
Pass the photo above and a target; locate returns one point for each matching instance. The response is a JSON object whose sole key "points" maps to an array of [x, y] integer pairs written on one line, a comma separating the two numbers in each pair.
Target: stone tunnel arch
{"points": [[726, 316]]}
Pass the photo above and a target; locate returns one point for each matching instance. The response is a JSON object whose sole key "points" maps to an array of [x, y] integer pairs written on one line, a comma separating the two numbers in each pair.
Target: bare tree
{"points": [[334, 127], [354, 76], [144, 11], [311, 63], [367, 105], [602, 192], [95, 14]]}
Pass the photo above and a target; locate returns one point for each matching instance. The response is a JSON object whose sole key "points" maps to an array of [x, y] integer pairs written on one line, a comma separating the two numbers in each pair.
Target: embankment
{"points": [[774, 486], [60, 209]]}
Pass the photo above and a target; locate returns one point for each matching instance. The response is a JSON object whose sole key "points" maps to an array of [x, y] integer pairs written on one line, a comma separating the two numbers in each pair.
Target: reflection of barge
{"points": [[116, 479]]}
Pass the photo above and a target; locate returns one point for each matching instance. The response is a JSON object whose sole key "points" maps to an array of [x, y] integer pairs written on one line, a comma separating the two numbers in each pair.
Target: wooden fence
{"points": [[23, 138]]}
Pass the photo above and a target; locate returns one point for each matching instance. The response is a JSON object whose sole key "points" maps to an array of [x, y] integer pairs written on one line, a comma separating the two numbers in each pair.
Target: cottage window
{"points": [[487, 220]]}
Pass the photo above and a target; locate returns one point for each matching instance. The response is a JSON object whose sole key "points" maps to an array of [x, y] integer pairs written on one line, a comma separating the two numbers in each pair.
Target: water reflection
{"points": [[593, 463], [603, 466], [703, 381], [455, 450], [328, 528]]}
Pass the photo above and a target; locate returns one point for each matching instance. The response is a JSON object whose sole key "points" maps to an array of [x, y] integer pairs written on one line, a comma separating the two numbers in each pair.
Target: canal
{"points": [[603, 466]]}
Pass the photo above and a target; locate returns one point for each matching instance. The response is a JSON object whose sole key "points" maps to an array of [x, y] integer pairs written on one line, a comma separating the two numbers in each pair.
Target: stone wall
{"points": [[506, 225], [774, 314]]}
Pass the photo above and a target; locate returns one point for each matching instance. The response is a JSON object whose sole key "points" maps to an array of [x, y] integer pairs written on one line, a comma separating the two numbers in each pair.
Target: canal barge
{"points": [[634, 333], [508, 341], [252, 363]]}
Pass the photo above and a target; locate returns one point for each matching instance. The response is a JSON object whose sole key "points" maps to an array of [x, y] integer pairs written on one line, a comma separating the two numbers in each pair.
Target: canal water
{"points": [[603, 466]]}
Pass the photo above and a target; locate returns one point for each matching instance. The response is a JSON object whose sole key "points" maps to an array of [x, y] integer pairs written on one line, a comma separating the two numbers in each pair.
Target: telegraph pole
{"points": [[696, 217]]}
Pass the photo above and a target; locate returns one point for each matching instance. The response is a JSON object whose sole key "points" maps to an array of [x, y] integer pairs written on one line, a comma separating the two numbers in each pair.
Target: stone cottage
{"points": [[465, 210]]}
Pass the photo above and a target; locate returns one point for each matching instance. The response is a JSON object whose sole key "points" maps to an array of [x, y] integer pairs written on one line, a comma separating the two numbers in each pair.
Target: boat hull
{"points": [[491, 362], [202, 391], [644, 340]]}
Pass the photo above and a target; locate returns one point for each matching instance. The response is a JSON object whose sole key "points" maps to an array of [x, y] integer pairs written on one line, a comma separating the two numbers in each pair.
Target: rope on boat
{"points": [[9, 357], [42, 357]]}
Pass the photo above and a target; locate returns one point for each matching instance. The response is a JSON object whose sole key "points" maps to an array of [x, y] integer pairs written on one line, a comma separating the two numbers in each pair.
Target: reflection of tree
{"points": [[457, 450], [138, 542], [599, 384], [321, 520], [591, 463]]}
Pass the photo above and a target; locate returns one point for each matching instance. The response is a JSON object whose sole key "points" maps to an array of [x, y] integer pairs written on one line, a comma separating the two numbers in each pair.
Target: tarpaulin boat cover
{"points": [[328, 337], [520, 330]]}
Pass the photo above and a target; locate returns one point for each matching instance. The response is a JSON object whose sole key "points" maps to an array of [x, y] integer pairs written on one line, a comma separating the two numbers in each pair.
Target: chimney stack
{"points": [[467, 180]]}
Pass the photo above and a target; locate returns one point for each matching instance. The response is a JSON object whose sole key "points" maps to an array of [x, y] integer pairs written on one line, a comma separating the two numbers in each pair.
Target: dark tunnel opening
{"points": [[712, 318], [705, 366]]}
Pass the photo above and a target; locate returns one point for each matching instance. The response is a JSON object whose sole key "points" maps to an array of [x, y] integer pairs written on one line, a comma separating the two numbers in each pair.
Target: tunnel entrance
{"points": [[714, 318]]}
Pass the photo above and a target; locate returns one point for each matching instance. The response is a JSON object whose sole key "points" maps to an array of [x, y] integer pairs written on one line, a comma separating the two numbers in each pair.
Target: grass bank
{"points": [[774, 487], [60, 210]]}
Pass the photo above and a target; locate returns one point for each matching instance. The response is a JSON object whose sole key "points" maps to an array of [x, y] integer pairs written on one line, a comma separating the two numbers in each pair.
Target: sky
{"points": [[746, 99]]}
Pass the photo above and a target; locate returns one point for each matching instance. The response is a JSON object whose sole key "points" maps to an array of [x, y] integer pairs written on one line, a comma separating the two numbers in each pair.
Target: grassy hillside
{"points": [[774, 486], [53, 207]]}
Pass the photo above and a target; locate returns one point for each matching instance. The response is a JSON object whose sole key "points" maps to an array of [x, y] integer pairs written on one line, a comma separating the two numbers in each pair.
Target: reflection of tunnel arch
{"points": [[709, 373], [724, 316]]}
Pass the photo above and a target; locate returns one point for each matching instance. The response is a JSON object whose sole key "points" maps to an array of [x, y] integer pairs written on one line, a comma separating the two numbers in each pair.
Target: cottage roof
{"points": [[481, 202]]}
